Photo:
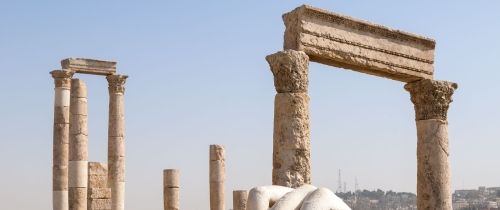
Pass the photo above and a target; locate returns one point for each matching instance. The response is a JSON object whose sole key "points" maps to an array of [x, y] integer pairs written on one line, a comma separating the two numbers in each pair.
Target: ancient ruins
{"points": [[78, 184], [311, 34], [340, 41]]}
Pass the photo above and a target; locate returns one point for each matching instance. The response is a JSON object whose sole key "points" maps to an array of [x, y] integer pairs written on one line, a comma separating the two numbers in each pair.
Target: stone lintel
{"points": [[346, 42], [89, 66]]}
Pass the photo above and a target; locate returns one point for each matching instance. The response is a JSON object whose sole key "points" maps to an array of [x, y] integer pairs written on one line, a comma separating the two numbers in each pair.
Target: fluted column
{"points": [[62, 80], [291, 140], [431, 100], [78, 146], [116, 141], [217, 176]]}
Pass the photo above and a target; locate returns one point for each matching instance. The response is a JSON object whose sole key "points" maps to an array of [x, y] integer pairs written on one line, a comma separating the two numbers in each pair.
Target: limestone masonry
{"points": [[89, 66], [358, 45], [99, 195]]}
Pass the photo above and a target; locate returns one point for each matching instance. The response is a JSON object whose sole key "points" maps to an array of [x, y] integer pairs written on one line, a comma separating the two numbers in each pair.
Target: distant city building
{"points": [[481, 199], [379, 200]]}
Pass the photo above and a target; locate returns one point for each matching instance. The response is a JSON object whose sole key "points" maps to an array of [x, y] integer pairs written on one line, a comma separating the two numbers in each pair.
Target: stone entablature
{"points": [[345, 42], [89, 66]]}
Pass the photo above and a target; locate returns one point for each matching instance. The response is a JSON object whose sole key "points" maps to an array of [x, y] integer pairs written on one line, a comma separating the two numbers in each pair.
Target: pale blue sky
{"points": [[198, 77]]}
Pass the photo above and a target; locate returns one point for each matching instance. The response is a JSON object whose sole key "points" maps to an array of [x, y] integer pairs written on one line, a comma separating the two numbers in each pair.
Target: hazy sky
{"points": [[198, 77]]}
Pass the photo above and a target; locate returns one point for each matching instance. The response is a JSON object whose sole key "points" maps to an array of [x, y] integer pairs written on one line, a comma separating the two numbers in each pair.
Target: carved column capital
{"points": [[62, 78], [431, 98], [116, 83], [290, 69]]}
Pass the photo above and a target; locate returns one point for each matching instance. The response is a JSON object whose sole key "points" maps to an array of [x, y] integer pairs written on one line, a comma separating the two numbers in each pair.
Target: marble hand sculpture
{"points": [[306, 197]]}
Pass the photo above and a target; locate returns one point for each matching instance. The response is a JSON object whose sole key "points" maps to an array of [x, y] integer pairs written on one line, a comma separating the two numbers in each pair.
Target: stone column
{"points": [[116, 141], [217, 177], [171, 189], [240, 198], [78, 149], [291, 140], [431, 99], [62, 80]]}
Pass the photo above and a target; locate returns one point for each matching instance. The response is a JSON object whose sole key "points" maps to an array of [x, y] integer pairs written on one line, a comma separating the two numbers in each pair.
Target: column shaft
{"points": [[291, 137], [431, 100], [62, 80], [116, 141], [240, 198], [171, 189], [78, 149], [217, 177]]}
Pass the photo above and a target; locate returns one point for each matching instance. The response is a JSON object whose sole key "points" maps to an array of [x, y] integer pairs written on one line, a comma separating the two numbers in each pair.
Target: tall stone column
{"points": [[431, 99], [78, 147], [291, 139], [62, 80], [116, 141], [217, 176]]}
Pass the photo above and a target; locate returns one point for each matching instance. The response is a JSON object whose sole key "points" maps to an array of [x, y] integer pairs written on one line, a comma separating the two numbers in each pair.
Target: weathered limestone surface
{"points": [[171, 186], [98, 194], [217, 177], [116, 140], [358, 45], [76, 195], [240, 198], [99, 204], [431, 100], [291, 138], [89, 66], [78, 149], [62, 80], [290, 69]]}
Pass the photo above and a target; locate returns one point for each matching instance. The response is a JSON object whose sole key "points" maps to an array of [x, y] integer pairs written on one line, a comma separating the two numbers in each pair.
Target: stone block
{"points": [[99, 193], [346, 42], [89, 66], [99, 204], [77, 171], [97, 181], [96, 168]]}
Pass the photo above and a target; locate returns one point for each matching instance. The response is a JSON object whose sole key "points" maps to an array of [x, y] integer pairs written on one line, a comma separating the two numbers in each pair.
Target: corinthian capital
{"points": [[431, 98], [116, 83], [62, 78], [290, 69]]}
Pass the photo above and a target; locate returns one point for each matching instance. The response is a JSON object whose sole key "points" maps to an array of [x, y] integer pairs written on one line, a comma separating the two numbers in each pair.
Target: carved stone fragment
{"points": [[345, 42], [89, 66]]}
